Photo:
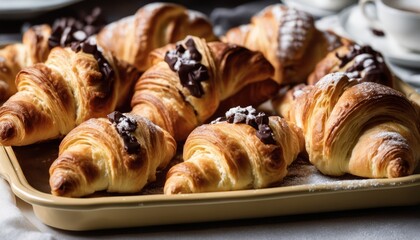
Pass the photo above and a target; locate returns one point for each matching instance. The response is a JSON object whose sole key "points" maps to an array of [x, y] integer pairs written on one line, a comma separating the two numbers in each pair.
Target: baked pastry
{"points": [[33, 49], [363, 63], [288, 39], [357, 61], [362, 128], [37, 42], [73, 85], [152, 26], [242, 151], [185, 89], [120, 154]]}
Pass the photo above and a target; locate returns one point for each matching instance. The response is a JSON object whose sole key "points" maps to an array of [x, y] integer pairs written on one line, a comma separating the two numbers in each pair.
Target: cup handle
{"points": [[370, 16]]}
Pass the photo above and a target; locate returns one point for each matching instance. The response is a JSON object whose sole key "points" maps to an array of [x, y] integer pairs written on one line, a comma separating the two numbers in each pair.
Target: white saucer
{"points": [[353, 23], [326, 7], [22, 9]]}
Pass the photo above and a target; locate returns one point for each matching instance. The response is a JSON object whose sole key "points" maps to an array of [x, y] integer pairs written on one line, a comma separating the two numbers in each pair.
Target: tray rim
{"points": [[11, 171]]}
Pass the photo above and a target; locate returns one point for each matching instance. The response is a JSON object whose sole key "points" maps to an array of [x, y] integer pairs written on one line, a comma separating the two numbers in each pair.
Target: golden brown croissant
{"points": [[245, 150], [69, 88], [37, 42], [120, 154], [33, 49], [288, 39], [186, 89], [365, 129], [357, 62], [154, 25]]}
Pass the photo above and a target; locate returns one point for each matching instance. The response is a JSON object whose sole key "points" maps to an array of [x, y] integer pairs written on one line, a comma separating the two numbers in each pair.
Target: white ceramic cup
{"points": [[398, 19]]}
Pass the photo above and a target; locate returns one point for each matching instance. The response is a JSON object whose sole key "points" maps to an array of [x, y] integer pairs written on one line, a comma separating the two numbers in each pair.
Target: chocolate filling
{"points": [[68, 30], [365, 59], [249, 116], [186, 62], [104, 66], [125, 127]]}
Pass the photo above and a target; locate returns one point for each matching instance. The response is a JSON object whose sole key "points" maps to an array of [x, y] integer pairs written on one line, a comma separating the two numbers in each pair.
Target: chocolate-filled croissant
{"points": [[73, 85], [187, 85], [120, 154], [357, 61], [246, 150], [37, 42], [363, 128]]}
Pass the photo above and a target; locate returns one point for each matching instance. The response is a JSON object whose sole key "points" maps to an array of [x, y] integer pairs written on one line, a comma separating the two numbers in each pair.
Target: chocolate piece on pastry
{"points": [[37, 42], [245, 150], [185, 88], [73, 85], [120, 154], [357, 61]]}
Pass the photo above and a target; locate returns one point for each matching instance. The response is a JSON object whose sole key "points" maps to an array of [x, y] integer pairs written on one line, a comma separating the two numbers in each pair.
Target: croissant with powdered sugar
{"points": [[363, 128], [288, 38], [245, 150]]}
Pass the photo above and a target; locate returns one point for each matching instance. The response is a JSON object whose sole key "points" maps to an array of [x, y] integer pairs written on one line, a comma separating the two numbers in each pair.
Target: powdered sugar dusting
{"points": [[331, 78], [392, 139], [301, 172], [152, 6], [294, 28]]}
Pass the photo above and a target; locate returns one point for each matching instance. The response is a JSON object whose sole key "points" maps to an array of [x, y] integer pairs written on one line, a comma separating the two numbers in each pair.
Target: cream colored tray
{"points": [[304, 190]]}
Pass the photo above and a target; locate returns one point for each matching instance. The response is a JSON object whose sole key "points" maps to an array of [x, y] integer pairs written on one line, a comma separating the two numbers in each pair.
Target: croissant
{"points": [[364, 63], [288, 39], [366, 129], [120, 154], [33, 49], [152, 26], [242, 151], [185, 89], [356, 61], [37, 42], [69, 88]]}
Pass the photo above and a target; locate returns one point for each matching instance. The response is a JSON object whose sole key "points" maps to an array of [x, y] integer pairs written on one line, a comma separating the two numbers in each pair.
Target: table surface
{"points": [[381, 223]]}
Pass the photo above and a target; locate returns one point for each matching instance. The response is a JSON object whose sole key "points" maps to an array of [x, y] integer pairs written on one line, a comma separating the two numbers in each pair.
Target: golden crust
{"points": [[288, 39], [55, 96], [160, 96], [92, 158], [365, 129], [154, 25], [225, 156], [14, 57]]}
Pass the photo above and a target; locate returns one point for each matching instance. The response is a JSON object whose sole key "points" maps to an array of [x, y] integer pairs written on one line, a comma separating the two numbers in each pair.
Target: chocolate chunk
{"points": [[249, 115], [366, 60], [125, 127], [265, 134], [104, 66], [186, 61], [67, 30]]}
